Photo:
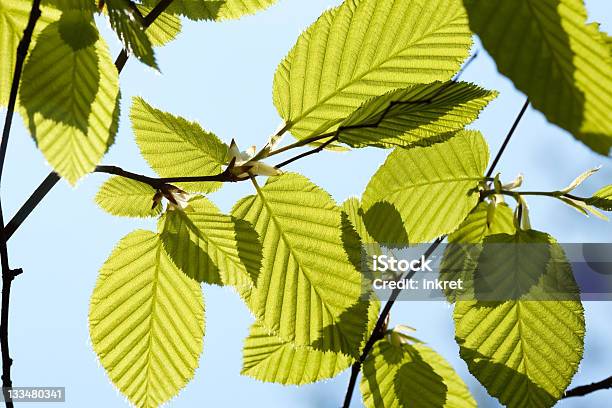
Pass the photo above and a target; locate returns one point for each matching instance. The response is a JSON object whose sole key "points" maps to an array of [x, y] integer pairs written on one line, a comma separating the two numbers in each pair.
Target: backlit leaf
{"points": [[146, 321], [128, 198]]}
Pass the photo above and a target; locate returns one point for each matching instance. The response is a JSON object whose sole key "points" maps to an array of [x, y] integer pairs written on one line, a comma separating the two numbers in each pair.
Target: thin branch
{"points": [[52, 178], [587, 389], [9, 274], [384, 315], [507, 139], [160, 183]]}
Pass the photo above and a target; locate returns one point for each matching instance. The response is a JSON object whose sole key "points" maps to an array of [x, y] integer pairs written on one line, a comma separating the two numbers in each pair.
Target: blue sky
{"points": [[221, 75]]}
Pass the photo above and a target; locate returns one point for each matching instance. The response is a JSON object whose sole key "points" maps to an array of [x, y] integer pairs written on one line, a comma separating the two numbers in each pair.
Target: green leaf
{"points": [[433, 188], [127, 198], [508, 345], [411, 376], [602, 199], [308, 289], [176, 147], [461, 255], [212, 247], [550, 53], [164, 29], [269, 358], [146, 321], [365, 48], [128, 23], [414, 116], [217, 10], [14, 16], [69, 95]]}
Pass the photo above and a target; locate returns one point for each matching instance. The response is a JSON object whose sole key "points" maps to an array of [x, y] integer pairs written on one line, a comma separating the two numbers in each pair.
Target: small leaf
{"points": [[69, 93], [212, 247], [580, 179], [433, 188], [602, 199], [176, 147], [308, 290], [563, 64], [164, 29], [414, 116], [269, 358], [411, 376], [127, 198], [126, 20], [362, 49], [146, 321]]}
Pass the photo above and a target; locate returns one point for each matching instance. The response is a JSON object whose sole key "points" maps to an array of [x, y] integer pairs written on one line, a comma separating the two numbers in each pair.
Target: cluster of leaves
{"points": [[368, 73]]}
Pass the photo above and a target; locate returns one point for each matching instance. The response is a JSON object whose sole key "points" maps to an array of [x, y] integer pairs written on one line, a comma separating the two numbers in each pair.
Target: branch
{"points": [[7, 273], [384, 315], [51, 180], [161, 183], [587, 389]]}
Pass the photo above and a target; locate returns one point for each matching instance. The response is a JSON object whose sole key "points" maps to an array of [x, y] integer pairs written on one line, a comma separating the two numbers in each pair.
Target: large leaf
{"points": [[164, 29], [128, 23], [525, 352], [308, 289], [176, 147], [414, 116], [411, 376], [69, 93], [14, 16], [210, 246], [271, 359], [434, 187], [216, 10], [128, 198], [365, 48], [550, 53], [146, 321]]}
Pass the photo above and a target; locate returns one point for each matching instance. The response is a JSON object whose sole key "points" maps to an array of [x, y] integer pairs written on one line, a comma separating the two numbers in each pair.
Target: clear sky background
{"points": [[220, 74]]}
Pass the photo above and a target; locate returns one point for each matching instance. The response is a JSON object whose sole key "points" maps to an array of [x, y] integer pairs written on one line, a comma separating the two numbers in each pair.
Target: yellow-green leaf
{"points": [[176, 147], [308, 289], [602, 199], [563, 64], [14, 16], [217, 10], [69, 95], [411, 376], [128, 198], [365, 48], [146, 321], [210, 246], [129, 26], [433, 188], [414, 116], [269, 358]]}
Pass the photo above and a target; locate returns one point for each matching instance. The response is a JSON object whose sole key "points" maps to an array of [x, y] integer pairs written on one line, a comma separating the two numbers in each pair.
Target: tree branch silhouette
{"points": [[583, 390], [9, 274]]}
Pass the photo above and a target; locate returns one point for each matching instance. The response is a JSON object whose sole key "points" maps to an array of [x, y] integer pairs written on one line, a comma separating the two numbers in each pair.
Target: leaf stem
{"points": [[9, 274]]}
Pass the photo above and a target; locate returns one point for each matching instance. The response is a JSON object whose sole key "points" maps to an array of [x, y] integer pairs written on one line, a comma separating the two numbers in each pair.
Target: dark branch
{"points": [[507, 139], [160, 183], [7, 273], [587, 389]]}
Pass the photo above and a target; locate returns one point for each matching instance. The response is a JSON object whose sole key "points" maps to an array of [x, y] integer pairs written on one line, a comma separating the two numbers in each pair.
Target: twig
{"points": [[507, 139], [587, 389], [52, 178], [158, 183], [7, 273], [384, 315]]}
